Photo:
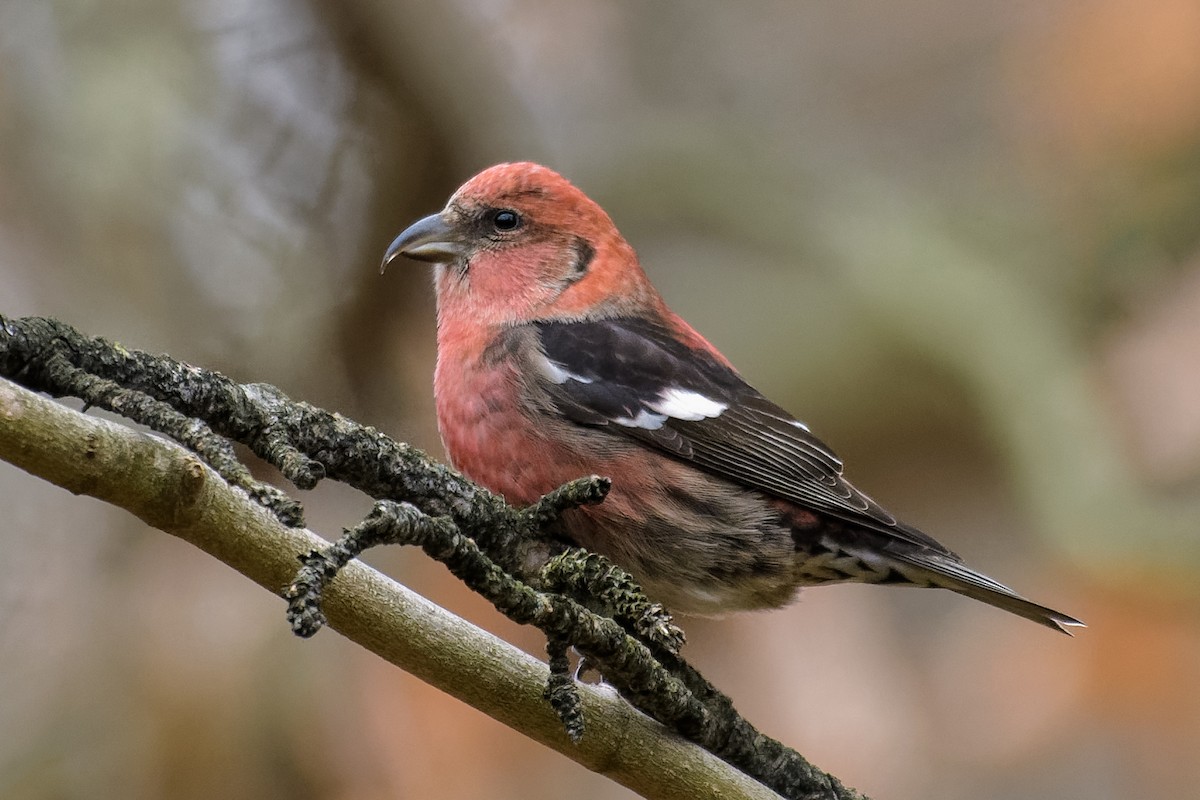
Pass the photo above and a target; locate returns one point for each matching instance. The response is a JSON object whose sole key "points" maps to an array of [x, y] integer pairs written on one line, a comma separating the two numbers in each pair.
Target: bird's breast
{"points": [[492, 435]]}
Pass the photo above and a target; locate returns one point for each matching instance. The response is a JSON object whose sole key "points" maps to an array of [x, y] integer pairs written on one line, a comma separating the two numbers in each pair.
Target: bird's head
{"points": [[518, 243]]}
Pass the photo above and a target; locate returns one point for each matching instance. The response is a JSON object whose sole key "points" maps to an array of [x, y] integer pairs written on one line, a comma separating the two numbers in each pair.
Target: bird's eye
{"points": [[506, 220]]}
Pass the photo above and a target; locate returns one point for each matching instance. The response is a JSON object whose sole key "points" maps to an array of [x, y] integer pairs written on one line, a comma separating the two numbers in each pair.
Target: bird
{"points": [[557, 358]]}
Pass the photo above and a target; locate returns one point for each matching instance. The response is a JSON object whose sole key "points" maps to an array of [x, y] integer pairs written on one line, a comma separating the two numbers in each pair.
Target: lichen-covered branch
{"points": [[484, 541], [171, 489]]}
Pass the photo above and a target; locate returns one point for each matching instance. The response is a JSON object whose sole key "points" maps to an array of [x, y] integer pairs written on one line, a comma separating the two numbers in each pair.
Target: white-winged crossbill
{"points": [[557, 359]]}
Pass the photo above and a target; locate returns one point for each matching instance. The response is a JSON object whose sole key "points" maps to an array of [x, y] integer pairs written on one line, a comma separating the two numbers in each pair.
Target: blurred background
{"points": [[960, 239]]}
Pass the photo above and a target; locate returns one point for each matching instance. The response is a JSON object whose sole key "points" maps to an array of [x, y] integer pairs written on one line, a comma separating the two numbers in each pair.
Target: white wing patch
{"points": [[644, 419], [557, 373], [674, 403], [686, 404]]}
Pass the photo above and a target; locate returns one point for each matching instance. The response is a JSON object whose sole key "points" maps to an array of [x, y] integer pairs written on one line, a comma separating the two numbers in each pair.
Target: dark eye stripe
{"points": [[584, 253]]}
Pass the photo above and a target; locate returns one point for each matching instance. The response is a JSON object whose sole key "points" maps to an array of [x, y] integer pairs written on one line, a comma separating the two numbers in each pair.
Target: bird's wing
{"points": [[634, 377]]}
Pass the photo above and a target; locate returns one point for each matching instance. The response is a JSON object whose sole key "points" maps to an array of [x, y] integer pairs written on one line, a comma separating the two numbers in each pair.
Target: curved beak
{"points": [[431, 239]]}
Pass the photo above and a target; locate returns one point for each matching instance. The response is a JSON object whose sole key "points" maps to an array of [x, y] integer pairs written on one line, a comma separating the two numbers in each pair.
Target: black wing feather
{"points": [[613, 370]]}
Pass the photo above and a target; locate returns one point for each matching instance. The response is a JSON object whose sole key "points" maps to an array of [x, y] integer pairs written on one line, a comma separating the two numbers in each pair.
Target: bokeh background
{"points": [[960, 239]]}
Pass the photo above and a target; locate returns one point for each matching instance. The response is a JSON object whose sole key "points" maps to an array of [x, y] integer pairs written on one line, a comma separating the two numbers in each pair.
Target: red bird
{"points": [[557, 358]]}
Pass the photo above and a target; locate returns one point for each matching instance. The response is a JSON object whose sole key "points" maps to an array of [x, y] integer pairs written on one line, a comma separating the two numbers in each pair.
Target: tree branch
{"points": [[170, 489], [216, 505]]}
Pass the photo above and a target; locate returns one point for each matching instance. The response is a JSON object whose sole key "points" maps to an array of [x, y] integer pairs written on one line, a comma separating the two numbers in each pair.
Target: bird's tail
{"points": [[947, 573]]}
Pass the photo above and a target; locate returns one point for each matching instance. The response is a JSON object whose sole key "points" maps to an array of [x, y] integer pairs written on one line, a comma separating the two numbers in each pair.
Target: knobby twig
{"points": [[484, 541]]}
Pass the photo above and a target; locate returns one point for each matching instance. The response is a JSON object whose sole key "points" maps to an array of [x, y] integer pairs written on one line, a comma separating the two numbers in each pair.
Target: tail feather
{"points": [[957, 577]]}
